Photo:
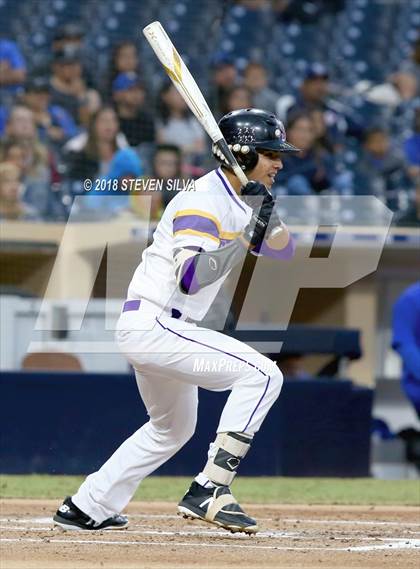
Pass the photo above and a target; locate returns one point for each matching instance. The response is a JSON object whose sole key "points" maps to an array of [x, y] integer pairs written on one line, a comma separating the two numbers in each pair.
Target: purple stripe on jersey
{"points": [[196, 222], [227, 354], [131, 305], [225, 242], [285, 253], [188, 283], [229, 191]]}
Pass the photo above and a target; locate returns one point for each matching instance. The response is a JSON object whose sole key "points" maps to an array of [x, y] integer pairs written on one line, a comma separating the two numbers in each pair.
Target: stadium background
{"points": [[343, 75], [82, 96]]}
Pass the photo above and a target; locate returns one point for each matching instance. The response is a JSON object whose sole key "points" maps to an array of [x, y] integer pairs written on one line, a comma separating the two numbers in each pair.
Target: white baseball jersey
{"points": [[206, 218]]}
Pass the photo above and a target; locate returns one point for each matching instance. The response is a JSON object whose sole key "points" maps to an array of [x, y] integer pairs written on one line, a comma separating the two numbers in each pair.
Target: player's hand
{"points": [[253, 192], [255, 231]]}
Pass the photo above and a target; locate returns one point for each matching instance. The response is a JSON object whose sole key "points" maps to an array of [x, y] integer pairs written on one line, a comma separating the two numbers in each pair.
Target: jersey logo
{"points": [[213, 264]]}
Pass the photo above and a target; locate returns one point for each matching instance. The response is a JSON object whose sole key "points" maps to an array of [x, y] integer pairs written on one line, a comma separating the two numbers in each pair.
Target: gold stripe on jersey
{"points": [[197, 233]]}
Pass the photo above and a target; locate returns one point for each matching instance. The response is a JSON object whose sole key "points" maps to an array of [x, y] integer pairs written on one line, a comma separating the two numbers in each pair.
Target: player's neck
{"points": [[233, 180]]}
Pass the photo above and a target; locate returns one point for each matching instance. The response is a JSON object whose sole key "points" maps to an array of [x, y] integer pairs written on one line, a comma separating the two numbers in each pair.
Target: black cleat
{"points": [[216, 506], [69, 517]]}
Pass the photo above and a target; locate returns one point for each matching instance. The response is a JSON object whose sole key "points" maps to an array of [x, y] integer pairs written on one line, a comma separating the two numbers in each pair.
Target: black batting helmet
{"points": [[249, 130]]}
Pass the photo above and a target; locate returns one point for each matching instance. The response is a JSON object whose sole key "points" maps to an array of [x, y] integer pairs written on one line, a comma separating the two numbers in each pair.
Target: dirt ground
{"points": [[304, 537]]}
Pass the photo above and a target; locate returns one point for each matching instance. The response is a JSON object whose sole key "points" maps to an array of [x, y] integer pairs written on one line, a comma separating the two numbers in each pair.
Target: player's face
{"points": [[269, 163]]}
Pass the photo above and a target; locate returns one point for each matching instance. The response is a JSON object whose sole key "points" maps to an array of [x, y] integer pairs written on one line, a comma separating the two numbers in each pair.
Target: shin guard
{"points": [[227, 451]]}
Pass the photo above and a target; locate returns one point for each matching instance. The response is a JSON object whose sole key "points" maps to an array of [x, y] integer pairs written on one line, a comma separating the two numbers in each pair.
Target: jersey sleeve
{"points": [[196, 224]]}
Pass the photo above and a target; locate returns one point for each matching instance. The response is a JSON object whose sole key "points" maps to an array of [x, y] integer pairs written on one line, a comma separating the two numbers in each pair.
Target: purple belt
{"points": [[130, 305]]}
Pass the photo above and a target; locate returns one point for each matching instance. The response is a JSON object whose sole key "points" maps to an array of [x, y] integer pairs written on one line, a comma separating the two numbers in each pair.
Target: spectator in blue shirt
{"points": [[12, 68], [54, 124], [406, 341], [412, 149]]}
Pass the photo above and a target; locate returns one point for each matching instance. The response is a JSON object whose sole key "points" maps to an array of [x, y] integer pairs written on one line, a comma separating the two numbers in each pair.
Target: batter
{"points": [[201, 236]]}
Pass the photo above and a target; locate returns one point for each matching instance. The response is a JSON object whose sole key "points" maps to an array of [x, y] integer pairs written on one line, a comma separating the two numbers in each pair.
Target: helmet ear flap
{"points": [[246, 156]]}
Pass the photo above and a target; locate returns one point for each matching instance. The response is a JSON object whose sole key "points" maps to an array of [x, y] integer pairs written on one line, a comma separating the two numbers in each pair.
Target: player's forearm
{"points": [[206, 267], [279, 244]]}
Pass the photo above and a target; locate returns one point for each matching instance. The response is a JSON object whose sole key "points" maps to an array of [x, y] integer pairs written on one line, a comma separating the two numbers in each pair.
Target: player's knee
{"points": [[276, 381], [276, 377], [188, 429]]}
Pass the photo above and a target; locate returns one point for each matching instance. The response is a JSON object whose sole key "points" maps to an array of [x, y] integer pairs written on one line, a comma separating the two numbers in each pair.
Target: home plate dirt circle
{"points": [[301, 537]]}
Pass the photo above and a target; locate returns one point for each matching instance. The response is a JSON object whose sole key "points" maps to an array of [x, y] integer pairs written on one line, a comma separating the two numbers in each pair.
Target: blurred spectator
{"points": [[410, 217], [416, 52], [406, 341], [382, 171], [254, 4], [305, 12], [224, 77], [322, 137], [89, 154], [14, 152], [69, 89], [309, 170], [135, 121], [412, 150], [394, 101], [40, 175], [124, 59], [255, 78], [166, 165], [3, 119], [177, 126], [238, 97], [70, 37], [12, 69], [54, 124], [12, 207], [101, 153], [399, 88], [314, 95]]}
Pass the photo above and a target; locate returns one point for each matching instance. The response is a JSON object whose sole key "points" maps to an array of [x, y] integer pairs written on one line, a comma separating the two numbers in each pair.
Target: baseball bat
{"points": [[189, 90]]}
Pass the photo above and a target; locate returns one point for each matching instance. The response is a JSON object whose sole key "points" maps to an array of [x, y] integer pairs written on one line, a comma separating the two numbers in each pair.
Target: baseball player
{"points": [[201, 236]]}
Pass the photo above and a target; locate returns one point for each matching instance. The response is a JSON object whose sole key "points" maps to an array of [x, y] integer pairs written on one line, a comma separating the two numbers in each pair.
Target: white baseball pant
{"points": [[171, 359]]}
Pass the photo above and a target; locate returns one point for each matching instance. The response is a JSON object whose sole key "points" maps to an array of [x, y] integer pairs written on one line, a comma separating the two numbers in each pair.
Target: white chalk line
{"points": [[395, 544], [215, 533], [350, 522], [48, 520], [189, 533]]}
